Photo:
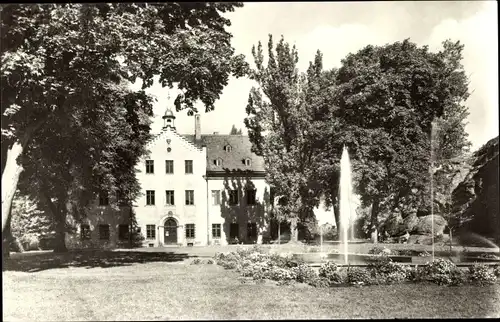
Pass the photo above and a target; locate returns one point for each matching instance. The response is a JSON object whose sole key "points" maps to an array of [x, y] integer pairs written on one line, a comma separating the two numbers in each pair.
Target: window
{"points": [[215, 230], [251, 230], [218, 162], [170, 197], [169, 166], [150, 232], [251, 196], [215, 197], [104, 232], [150, 197], [189, 197], [234, 230], [188, 165], [103, 199], [247, 162], [150, 166], [233, 197], [84, 232], [123, 232], [228, 148], [189, 230]]}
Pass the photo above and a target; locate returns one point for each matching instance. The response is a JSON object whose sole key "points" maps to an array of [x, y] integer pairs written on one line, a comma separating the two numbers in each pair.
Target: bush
{"points": [[358, 276], [331, 272], [209, 261], [439, 271], [319, 282], [424, 254], [384, 270], [458, 277], [481, 273], [281, 274], [496, 271], [303, 273], [283, 261]]}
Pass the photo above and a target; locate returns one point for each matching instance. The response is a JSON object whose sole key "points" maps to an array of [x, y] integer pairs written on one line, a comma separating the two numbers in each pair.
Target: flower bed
{"points": [[258, 264]]}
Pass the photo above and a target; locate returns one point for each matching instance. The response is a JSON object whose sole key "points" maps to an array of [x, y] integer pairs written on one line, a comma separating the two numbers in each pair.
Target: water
{"points": [[347, 213]]}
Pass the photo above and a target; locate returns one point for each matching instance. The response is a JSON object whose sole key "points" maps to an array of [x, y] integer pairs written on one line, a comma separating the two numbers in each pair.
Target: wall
{"points": [[242, 213], [179, 181]]}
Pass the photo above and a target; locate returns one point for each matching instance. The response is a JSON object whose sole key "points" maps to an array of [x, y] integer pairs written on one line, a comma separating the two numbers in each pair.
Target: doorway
{"points": [[170, 235]]}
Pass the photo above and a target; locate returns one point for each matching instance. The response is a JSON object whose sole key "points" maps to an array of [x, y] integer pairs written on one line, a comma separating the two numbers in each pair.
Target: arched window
{"points": [[218, 162], [228, 148], [247, 162]]}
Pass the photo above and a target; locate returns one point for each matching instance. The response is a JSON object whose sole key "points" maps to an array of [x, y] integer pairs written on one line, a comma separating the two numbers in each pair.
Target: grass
{"points": [[148, 288]]}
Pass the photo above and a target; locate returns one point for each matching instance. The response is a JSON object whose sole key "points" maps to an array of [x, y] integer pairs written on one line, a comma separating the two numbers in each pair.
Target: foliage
{"points": [[65, 71], [235, 131], [496, 271], [358, 276], [303, 273], [377, 250], [28, 222], [482, 274], [280, 127], [196, 261], [331, 272], [439, 271]]}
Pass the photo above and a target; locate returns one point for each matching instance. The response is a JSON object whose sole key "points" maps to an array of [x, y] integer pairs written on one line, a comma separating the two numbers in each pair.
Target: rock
{"points": [[424, 225], [475, 201], [411, 222]]}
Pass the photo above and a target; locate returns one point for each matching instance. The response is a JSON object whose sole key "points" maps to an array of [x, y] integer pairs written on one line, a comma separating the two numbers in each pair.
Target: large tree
{"points": [[387, 98], [56, 58], [280, 126]]}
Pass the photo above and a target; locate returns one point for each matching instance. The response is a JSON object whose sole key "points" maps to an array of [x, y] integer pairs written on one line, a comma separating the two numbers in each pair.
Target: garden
{"points": [[258, 264]]}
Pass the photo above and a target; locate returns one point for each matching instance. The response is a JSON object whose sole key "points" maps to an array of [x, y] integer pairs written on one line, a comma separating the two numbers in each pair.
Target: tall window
{"points": [[216, 230], [169, 166], [189, 197], [251, 230], [150, 232], [84, 232], [150, 197], [233, 197], [189, 230], [251, 200], [104, 232], [150, 166], [234, 230], [188, 165], [215, 197], [103, 199], [123, 232], [170, 197]]}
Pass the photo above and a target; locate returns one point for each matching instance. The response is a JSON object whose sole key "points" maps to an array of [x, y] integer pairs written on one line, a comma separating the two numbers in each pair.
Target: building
{"points": [[197, 189]]}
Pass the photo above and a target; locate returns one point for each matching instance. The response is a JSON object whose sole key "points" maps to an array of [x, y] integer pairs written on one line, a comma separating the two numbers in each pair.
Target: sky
{"points": [[340, 28]]}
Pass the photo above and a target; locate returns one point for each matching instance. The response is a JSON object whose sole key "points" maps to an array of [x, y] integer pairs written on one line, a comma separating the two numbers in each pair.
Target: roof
{"points": [[169, 113], [233, 160]]}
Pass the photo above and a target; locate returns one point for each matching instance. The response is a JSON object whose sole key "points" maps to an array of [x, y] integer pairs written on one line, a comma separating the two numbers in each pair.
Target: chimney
{"points": [[197, 127]]}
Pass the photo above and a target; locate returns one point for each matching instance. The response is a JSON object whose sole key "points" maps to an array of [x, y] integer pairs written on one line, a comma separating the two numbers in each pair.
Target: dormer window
{"points": [[228, 148], [247, 162], [218, 162]]}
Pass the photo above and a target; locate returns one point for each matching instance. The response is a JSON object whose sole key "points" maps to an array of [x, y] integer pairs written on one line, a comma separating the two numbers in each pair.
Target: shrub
{"points": [[358, 276], [496, 271], [331, 272], [439, 271], [488, 256], [458, 277], [424, 254], [384, 270], [481, 273], [209, 261], [280, 274], [319, 282], [283, 261], [303, 273], [376, 250]]}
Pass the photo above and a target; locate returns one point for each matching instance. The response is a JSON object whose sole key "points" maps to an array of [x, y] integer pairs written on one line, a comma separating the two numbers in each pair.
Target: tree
{"points": [[235, 131], [56, 58], [279, 126], [386, 98]]}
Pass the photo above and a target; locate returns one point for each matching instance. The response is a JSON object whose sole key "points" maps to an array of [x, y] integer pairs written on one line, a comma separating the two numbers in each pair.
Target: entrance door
{"points": [[170, 231]]}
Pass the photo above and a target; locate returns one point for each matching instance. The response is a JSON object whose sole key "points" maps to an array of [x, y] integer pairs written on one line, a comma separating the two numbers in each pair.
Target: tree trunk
{"points": [[374, 222], [60, 236], [10, 178], [293, 230]]}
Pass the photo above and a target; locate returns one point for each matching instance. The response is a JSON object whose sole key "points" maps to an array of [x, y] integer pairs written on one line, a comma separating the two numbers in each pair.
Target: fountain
{"points": [[345, 201]]}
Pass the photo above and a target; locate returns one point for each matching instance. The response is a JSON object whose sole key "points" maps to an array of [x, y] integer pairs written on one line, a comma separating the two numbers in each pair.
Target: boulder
{"points": [[424, 225]]}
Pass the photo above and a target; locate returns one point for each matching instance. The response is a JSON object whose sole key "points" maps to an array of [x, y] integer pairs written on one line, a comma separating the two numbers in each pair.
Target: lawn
{"points": [[164, 286]]}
